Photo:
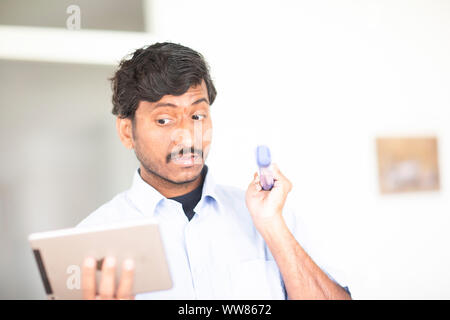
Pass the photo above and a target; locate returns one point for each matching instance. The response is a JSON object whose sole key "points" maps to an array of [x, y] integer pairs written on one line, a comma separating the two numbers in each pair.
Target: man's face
{"points": [[172, 136]]}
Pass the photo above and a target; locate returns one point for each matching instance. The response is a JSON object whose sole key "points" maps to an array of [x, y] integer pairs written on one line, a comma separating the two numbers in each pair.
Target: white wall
{"points": [[327, 77]]}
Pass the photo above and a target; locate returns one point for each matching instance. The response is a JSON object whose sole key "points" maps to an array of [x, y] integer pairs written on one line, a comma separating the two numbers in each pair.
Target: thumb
{"points": [[276, 172], [280, 177]]}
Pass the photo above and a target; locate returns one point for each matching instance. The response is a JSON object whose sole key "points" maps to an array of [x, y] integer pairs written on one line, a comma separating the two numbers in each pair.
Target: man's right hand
{"points": [[107, 289]]}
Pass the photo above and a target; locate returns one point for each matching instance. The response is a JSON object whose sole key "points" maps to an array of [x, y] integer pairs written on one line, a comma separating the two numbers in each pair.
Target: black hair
{"points": [[154, 71]]}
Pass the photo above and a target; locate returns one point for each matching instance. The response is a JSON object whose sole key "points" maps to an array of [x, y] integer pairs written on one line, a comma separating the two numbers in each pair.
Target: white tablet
{"points": [[59, 255]]}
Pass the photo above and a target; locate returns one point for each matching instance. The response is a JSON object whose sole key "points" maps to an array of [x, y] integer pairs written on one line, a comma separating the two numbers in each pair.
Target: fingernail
{"points": [[128, 264], [110, 261], [89, 262]]}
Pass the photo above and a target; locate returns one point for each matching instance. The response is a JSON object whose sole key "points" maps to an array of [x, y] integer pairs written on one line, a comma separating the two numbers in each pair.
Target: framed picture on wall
{"points": [[407, 164]]}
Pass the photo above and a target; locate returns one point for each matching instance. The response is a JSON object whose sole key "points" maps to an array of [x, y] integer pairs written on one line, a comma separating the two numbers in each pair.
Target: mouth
{"points": [[187, 160]]}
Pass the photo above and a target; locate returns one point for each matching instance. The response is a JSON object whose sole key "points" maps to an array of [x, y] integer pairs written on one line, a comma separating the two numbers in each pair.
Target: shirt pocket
{"points": [[256, 279]]}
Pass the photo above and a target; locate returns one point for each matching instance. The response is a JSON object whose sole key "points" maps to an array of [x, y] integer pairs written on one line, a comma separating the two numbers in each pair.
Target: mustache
{"points": [[184, 151]]}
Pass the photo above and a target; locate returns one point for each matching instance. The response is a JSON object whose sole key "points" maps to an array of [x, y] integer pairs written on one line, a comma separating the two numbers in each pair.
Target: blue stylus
{"points": [[263, 159]]}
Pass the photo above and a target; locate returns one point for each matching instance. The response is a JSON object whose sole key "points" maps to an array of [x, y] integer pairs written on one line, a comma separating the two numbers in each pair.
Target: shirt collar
{"points": [[146, 198], [209, 188]]}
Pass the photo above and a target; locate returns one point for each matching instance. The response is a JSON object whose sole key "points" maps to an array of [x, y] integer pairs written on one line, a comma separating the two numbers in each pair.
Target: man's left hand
{"points": [[264, 206]]}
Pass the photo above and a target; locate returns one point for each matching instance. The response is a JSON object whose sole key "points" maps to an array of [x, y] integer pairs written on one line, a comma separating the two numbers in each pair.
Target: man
{"points": [[220, 242]]}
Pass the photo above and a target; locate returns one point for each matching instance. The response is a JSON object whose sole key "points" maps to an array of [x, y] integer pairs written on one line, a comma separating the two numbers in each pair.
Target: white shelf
{"points": [[69, 46]]}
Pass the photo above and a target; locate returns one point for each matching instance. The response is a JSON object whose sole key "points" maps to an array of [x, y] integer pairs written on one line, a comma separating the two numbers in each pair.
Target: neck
{"points": [[169, 189]]}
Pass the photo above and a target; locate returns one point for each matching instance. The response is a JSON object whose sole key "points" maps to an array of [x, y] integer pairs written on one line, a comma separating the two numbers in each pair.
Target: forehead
{"points": [[192, 95]]}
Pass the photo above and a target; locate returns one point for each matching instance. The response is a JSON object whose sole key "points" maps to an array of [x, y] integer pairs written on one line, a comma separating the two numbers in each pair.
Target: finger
{"points": [[107, 282], [254, 185], [125, 289], [257, 183], [88, 278]]}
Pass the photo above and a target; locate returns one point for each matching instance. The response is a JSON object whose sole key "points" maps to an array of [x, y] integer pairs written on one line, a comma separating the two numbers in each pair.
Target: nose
{"points": [[188, 133], [181, 136]]}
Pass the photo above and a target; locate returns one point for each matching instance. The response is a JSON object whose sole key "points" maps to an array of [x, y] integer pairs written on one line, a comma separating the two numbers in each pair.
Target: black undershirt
{"points": [[190, 199]]}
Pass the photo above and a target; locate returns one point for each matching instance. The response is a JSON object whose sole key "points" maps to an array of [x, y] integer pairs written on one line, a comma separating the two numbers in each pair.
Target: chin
{"points": [[185, 173]]}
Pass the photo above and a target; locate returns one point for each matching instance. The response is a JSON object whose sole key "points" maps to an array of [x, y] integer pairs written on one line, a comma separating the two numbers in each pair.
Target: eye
{"points": [[163, 121], [198, 116]]}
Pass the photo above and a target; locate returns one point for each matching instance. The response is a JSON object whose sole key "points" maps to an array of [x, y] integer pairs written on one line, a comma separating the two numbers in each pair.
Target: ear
{"points": [[124, 129]]}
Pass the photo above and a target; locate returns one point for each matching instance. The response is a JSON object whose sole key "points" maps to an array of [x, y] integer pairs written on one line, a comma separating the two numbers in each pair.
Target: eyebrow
{"points": [[168, 104]]}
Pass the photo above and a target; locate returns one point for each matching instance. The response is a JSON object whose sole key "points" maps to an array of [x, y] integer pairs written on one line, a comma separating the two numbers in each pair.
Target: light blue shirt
{"points": [[219, 254]]}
